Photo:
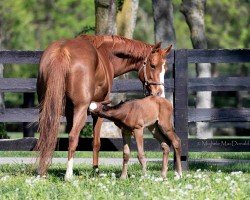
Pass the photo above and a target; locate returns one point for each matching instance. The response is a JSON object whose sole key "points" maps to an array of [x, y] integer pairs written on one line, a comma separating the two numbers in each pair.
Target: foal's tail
{"points": [[54, 68]]}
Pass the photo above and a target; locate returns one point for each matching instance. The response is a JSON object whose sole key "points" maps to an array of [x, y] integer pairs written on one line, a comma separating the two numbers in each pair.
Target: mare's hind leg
{"points": [[138, 133], [79, 119], [165, 145], [165, 125], [126, 136]]}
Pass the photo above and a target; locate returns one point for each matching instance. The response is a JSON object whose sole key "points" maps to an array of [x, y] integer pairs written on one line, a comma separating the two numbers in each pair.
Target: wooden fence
{"points": [[180, 85]]}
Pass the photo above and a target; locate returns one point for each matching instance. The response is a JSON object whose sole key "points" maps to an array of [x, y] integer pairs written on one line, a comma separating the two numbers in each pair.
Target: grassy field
{"points": [[149, 154], [201, 182]]}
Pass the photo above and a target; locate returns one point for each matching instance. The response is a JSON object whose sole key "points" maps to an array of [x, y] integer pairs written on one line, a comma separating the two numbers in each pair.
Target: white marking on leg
{"points": [[92, 106], [69, 172], [162, 74]]}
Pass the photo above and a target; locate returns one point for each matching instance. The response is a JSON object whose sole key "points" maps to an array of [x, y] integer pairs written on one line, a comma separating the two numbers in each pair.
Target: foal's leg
{"points": [[126, 136], [79, 118], [97, 123], [165, 145], [166, 127], [138, 133]]}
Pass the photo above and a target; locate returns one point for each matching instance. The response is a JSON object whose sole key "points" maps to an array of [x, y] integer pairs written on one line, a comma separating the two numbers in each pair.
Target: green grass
{"points": [[149, 154], [201, 182]]}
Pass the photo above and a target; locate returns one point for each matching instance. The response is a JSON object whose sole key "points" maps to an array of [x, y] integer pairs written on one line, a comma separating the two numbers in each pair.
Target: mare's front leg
{"points": [[126, 136], [138, 133], [97, 123]]}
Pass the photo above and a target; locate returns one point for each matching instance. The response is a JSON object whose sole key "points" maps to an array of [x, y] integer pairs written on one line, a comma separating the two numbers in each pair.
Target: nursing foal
{"points": [[132, 117]]}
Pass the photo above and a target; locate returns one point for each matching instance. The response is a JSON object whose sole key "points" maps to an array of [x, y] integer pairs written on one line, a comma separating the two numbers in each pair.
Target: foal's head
{"points": [[153, 70]]}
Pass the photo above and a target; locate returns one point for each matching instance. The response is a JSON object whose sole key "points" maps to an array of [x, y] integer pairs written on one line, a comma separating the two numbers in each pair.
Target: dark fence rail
{"points": [[179, 84]]}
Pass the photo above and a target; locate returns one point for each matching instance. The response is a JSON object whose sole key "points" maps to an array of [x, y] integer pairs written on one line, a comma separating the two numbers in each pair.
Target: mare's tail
{"points": [[54, 68]]}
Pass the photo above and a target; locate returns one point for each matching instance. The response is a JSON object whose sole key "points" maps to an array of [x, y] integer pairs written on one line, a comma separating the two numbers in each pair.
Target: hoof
{"points": [[123, 177], [68, 177], [95, 171], [177, 175]]}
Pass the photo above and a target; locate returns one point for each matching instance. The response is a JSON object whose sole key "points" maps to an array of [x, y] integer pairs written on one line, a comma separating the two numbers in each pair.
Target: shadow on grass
{"points": [[57, 171]]}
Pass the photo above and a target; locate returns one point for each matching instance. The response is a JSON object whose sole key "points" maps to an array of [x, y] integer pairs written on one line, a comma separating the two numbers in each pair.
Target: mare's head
{"points": [[153, 70]]}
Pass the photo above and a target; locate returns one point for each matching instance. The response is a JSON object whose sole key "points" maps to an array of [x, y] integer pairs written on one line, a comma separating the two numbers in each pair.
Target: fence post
{"points": [[28, 102], [181, 102]]}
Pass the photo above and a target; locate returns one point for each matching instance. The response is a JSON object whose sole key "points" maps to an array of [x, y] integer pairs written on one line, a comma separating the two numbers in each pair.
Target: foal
{"points": [[132, 117]]}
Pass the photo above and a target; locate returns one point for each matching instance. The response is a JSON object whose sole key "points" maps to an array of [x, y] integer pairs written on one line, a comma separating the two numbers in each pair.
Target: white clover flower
{"points": [[97, 170], [219, 171], [4, 178], [188, 175], [237, 173], [145, 194], [75, 183], [132, 176], [100, 184], [102, 175], [171, 190], [189, 186], [113, 175], [160, 179], [198, 170], [217, 180], [199, 176], [227, 178]]}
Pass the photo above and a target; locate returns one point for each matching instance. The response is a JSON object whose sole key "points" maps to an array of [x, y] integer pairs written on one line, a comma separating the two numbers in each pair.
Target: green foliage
{"points": [[87, 131], [227, 24], [3, 132]]}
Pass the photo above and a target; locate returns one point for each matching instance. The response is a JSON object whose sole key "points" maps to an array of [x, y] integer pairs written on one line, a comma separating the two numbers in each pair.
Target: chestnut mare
{"points": [[132, 117], [74, 72]]}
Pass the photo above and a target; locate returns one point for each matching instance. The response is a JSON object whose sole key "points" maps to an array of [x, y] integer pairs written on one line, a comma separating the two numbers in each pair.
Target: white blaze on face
{"points": [[92, 106], [162, 79]]}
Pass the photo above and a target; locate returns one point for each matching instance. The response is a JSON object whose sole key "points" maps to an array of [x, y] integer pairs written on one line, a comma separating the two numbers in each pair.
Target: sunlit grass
{"points": [[201, 182]]}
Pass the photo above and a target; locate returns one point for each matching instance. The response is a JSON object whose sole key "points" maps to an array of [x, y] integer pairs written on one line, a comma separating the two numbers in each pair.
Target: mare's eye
{"points": [[152, 66]]}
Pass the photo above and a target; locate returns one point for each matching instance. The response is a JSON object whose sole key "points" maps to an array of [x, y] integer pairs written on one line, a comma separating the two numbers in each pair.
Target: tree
{"points": [[164, 26], [121, 23], [126, 18], [164, 22], [194, 11], [105, 17]]}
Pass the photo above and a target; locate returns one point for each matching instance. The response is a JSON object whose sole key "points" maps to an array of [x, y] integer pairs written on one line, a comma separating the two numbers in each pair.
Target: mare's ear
{"points": [[167, 50], [156, 47], [106, 102]]}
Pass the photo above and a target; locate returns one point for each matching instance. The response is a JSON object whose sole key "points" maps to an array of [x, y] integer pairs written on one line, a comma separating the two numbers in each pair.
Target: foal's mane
{"points": [[117, 106], [120, 45]]}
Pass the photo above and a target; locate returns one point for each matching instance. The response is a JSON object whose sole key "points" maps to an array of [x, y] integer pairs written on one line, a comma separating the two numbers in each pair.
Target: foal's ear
{"points": [[156, 47], [167, 50]]}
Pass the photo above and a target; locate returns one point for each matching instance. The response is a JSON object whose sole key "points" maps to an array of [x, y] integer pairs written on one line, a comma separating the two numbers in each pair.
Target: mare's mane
{"points": [[120, 45]]}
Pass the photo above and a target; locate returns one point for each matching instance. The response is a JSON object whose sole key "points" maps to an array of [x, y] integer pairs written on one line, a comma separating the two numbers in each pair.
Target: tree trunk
{"points": [[126, 18], [123, 24], [1, 67], [164, 27], [194, 11], [105, 24], [105, 13], [164, 22]]}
